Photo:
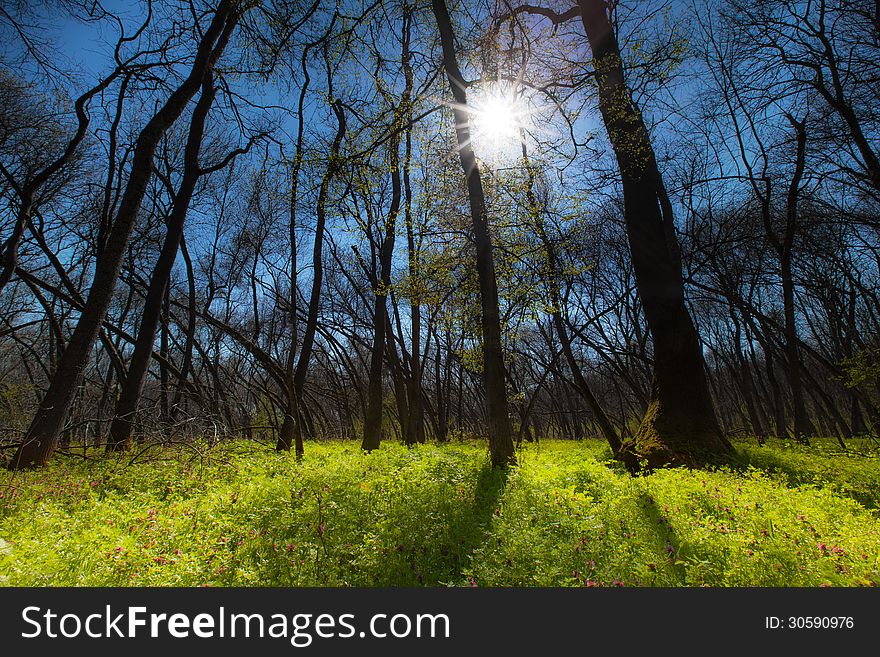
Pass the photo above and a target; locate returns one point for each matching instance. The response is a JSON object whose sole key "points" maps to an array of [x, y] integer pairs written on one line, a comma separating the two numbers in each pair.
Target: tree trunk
{"points": [[442, 384], [292, 428], [373, 418], [9, 250], [857, 418], [42, 435], [164, 346], [190, 332], [290, 432], [748, 391], [398, 379], [416, 423], [802, 427], [494, 379], [778, 399], [130, 395], [680, 426]]}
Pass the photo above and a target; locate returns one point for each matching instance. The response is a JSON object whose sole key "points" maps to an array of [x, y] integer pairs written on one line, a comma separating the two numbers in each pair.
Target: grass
{"points": [[241, 515]]}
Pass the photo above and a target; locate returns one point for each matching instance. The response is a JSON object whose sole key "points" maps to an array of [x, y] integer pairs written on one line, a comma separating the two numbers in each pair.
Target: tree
{"points": [[382, 283], [291, 430], [157, 292], [494, 377], [42, 436], [679, 426]]}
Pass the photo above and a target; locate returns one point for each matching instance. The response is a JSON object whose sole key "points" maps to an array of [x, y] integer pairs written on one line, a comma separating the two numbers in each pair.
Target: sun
{"points": [[498, 120]]}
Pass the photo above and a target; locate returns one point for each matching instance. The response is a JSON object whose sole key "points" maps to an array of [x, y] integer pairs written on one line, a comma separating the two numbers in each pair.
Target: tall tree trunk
{"points": [[163, 351], [416, 424], [129, 397], [290, 431], [500, 432], [373, 419], [398, 380], [802, 427], [441, 381], [680, 426], [292, 428], [42, 435], [190, 331]]}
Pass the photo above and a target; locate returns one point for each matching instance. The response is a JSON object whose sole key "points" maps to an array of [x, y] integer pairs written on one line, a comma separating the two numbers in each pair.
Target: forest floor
{"points": [[239, 514]]}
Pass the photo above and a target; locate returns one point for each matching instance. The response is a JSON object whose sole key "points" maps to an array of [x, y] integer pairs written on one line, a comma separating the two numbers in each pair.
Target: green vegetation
{"points": [[564, 516]]}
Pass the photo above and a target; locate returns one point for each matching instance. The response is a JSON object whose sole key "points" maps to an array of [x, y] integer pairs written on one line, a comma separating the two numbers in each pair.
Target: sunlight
{"points": [[497, 120]]}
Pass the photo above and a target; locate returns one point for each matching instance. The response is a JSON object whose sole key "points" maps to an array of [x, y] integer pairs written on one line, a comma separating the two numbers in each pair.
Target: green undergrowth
{"points": [[854, 472], [238, 514]]}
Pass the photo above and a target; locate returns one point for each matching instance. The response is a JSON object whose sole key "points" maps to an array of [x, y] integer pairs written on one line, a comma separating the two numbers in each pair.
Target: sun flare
{"points": [[498, 119]]}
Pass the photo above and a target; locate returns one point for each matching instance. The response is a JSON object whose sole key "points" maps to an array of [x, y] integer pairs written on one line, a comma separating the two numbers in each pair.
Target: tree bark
{"points": [[680, 426], [42, 436], [291, 430], [129, 397], [494, 379]]}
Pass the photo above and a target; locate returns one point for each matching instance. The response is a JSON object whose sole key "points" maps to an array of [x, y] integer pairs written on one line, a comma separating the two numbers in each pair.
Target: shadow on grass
{"points": [[767, 460], [667, 540], [419, 534], [465, 529], [433, 540]]}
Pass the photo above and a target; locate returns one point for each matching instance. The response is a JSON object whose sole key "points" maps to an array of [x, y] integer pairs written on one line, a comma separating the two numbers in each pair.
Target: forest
{"points": [[447, 292]]}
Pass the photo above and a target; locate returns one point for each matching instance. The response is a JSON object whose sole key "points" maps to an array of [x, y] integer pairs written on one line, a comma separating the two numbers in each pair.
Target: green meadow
{"points": [[239, 514]]}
